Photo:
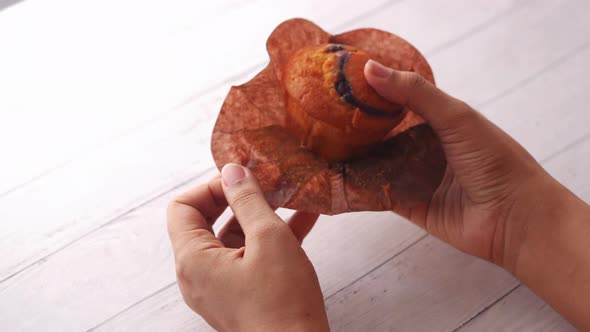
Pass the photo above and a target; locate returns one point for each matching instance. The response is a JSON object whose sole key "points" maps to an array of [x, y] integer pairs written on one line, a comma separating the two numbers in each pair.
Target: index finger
{"points": [[193, 213]]}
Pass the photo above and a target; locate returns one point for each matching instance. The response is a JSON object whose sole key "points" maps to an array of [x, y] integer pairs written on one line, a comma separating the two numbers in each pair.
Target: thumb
{"points": [[480, 153], [413, 91], [247, 201]]}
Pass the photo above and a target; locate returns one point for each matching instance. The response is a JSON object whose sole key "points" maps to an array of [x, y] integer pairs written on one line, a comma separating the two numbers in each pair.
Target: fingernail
{"points": [[232, 174], [378, 70]]}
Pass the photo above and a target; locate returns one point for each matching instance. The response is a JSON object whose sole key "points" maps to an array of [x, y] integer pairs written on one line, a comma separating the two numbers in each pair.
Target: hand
{"points": [[490, 187], [253, 277], [495, 201]]}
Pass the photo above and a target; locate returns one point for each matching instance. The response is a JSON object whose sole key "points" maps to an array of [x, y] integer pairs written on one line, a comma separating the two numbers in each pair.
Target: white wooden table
{"points": [[106, 110]]}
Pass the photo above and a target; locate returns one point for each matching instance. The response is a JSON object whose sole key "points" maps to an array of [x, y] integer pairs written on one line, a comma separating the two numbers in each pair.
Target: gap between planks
{"points": [[498, 300]]}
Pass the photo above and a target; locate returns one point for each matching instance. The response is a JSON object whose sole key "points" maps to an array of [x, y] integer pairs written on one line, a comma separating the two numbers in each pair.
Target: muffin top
{"points": [[328, 83]]}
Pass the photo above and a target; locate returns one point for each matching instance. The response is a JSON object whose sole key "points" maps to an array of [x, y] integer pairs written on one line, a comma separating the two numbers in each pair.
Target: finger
{"points": [[412, 90], [232, 234], [247, 200], [301, 224], [192, 214]]}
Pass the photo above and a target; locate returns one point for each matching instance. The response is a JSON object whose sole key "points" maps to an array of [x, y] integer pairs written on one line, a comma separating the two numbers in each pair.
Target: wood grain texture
{"points": [[555, 117], [116, 194], [524, 41], [521, 310], [403, 294], [571, 166], [164, 311]]}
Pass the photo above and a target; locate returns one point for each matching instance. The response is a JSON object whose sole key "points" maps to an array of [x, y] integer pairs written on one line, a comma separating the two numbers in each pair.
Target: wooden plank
{"points": [[165, 311], [101, 187], [521, 310], [121, 256], [542, 122], [571, 166], [76, 82], [427, 23], [91, 185], [431, 286], [516, 45], [552, 116]]}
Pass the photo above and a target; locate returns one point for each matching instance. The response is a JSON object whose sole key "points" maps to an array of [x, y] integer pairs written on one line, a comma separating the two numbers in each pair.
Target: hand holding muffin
{"points": [[495, 201]]}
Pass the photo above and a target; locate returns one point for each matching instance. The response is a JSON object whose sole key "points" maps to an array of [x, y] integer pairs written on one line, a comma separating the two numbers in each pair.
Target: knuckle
{"points": [[192, 268], [172, 206], [201, 235], [461, 107], [176, 205], [271, 229], [201, 240], [245, 198], [460, 115], [194, 297], [184, 263], [197, 275], [463, 113], [415, 80]]}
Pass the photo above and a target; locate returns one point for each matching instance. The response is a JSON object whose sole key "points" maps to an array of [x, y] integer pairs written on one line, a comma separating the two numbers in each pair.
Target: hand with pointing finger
{"points": [[254, 276]]}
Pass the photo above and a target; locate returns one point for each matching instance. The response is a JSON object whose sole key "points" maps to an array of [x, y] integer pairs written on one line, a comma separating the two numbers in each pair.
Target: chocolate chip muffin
{"points": [[331, 108]]}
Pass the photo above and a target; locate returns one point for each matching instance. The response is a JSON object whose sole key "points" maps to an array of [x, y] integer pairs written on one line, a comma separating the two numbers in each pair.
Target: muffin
{"points": [[331, 109]]}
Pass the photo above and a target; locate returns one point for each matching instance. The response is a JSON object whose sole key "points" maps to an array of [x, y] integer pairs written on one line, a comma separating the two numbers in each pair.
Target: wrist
{"points": [[301, 324], [307, 326], [531, 221], [553, 258], [548, 232]]}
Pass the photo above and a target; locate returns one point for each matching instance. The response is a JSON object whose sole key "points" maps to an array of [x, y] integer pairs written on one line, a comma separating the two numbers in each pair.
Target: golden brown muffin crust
{"points": [[333, 109]]}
